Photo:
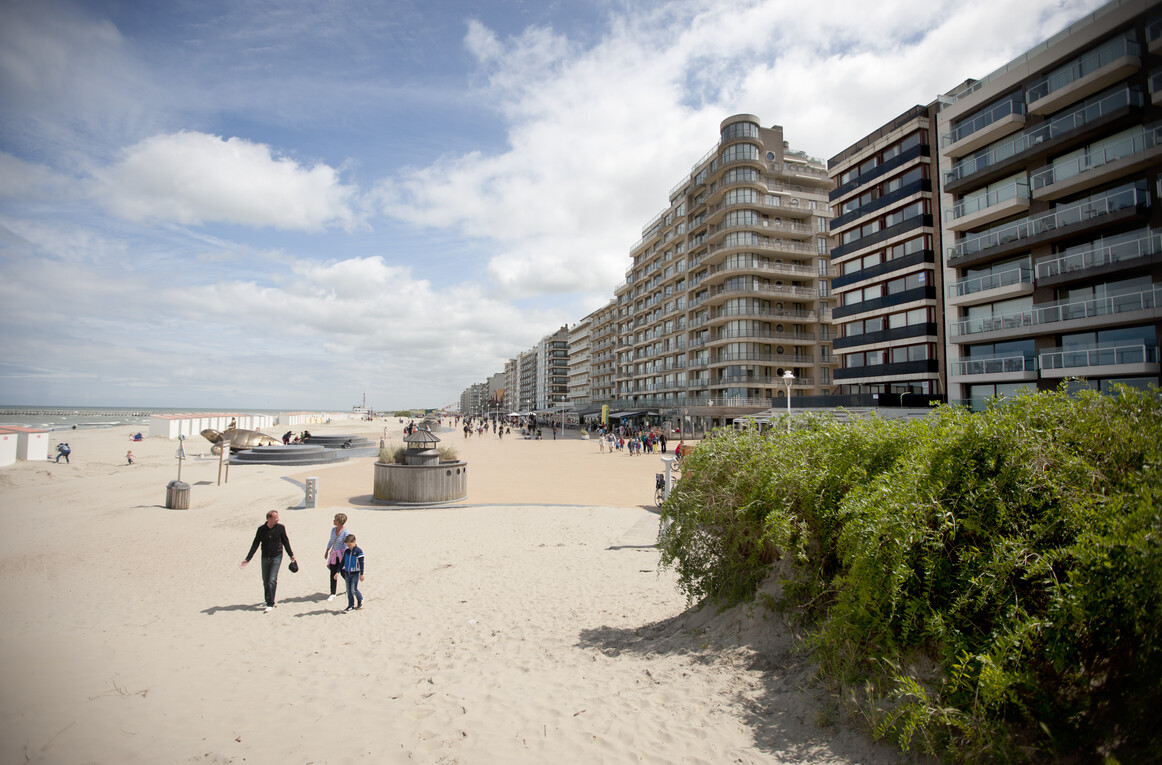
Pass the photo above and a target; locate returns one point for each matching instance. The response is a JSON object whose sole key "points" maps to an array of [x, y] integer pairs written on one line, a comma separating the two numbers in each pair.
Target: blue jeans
{"points": [[270, 567], [352, 579]]}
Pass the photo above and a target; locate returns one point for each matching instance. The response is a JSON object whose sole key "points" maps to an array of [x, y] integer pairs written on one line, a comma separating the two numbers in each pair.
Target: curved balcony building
{"points": [[729, 286]]}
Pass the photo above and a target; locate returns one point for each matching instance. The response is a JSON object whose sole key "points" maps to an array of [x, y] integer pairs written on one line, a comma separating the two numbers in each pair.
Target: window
{"points": [[739, 152]]}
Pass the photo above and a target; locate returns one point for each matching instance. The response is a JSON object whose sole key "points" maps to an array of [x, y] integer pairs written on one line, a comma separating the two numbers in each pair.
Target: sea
{"points": [[70, 417]]}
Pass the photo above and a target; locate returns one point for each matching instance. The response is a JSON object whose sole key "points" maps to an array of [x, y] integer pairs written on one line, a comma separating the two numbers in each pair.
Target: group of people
{"points": [[343, 556], [301, 438], [639, 442]]}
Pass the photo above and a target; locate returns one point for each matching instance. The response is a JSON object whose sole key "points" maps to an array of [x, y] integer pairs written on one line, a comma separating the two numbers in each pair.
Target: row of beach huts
{"points": [[32, 444]]}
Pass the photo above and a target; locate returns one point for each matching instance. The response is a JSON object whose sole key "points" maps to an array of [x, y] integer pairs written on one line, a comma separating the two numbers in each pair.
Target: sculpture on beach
{"points": [[238, 439]]}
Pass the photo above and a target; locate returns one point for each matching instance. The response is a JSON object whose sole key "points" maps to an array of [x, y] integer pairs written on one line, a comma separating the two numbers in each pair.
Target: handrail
{"points": [[1100, 256], [1138, 142], [1085, 209]]}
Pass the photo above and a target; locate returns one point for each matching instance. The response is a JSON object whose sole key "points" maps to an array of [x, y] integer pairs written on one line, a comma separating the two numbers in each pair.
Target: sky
{"points": [[284, 204]]}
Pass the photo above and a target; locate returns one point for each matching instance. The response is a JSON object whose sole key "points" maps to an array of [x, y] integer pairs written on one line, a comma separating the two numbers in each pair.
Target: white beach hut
{"points": [[8, 443], [31, 443]]}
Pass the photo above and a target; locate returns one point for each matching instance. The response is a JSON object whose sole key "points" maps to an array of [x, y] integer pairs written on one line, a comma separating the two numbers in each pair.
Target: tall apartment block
{"points": [[552, 386], [1052, 225], [527, 386], [603, 344], [886, 227], [579, 388], [729, 286]]}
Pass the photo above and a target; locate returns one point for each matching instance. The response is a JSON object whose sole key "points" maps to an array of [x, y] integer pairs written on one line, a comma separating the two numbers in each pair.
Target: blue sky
{"points": [[290, 204]]}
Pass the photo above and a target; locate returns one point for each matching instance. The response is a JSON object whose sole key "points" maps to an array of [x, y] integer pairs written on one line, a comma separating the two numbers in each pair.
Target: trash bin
{"points": [[177, 495]]}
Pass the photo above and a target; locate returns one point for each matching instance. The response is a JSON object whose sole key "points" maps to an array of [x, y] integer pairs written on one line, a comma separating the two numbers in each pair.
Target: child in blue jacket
{"points": [[352, 568]]}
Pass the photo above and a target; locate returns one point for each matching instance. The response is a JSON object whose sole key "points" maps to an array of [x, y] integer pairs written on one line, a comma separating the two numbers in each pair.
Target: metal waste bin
{"points": [[177, 495]]}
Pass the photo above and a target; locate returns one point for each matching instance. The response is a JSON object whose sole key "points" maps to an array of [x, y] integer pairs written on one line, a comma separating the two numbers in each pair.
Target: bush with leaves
{"points": [[1016, 553]]}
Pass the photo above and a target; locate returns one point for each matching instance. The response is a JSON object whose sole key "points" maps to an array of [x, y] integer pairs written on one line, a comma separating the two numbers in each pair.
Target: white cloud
{"points": [[194, 178], [598, 136]]}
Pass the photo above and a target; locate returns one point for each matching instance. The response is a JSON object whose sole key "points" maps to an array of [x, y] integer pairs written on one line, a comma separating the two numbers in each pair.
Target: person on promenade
{"points": [[272, 536], [63, 450], [335, 550], [353, 572]]}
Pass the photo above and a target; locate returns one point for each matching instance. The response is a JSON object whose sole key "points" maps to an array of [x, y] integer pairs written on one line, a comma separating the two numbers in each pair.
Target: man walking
{"points": [[272, 536]]}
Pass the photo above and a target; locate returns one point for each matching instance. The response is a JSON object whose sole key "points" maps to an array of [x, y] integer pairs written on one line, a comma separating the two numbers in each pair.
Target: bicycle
{"points": [[659, 488]]}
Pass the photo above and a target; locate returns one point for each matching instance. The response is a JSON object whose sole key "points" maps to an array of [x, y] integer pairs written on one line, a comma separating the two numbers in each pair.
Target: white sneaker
{"points": [[268, 609], [330, 598]]}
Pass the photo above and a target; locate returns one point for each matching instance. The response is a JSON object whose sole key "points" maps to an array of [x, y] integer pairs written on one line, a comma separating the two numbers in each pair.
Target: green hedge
{"points": [[985, 586]]}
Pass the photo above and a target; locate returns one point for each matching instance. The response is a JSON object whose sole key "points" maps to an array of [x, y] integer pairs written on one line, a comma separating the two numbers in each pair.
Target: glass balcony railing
{"points": [[1014, 190], [1067, 215], [1101, 255], [982, 121], [1060, 125], [1082, 66], [1063, 310], [975, 284], [1098, 356], [1139, 142], [994, 365]]}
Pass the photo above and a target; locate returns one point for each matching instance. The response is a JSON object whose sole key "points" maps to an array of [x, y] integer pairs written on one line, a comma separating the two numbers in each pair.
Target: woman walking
{"points": [[335, 550]]}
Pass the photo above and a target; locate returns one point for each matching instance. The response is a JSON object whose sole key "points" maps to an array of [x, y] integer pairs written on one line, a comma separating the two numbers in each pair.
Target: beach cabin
{"points": [[301, 418], [190, 425], [7, 448], [31, 443]]}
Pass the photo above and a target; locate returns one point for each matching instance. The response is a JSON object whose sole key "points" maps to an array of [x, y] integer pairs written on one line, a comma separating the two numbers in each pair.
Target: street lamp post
{"points": [[788, 380]]}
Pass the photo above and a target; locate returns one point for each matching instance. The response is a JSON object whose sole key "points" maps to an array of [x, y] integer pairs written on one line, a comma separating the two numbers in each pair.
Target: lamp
{"points": [[788, 380]]}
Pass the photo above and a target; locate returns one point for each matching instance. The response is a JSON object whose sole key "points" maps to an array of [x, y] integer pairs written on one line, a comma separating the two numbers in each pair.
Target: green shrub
{"points": [[448, 453], [988, 584]]}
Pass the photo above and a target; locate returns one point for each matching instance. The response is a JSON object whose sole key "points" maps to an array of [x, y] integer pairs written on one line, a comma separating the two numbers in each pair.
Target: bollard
{"points": [[312, 492], [177, 495]]}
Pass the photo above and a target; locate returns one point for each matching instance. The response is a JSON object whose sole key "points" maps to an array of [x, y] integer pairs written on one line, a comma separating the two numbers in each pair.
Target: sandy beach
{"points": [[528, 624]]}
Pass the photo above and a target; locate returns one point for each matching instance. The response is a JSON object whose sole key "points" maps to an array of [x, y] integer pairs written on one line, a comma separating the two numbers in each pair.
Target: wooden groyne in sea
{"points": [[73, 413]]}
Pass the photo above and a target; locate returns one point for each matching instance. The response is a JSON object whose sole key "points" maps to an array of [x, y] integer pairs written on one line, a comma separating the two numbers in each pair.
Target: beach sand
{"points": [[528, 624]]}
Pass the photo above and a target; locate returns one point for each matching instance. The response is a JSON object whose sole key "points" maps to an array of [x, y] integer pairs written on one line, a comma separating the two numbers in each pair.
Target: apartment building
{"points": [[473, 399], [552, 385], [603, 344], [1051, 226], [729, 286], [579, 396], [512, 384], [888, 321], [528, 380]]}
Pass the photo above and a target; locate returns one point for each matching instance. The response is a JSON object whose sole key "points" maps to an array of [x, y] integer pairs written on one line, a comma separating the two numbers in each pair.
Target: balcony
{"points": [[879, 372], [895, 334], [745, 312], [1100, 361], [888, 301], [887, 200], [1135, 152], [996, 368], [880, 170], [1086, 75], [883, 235], [983, 129], [989, 288], [1109, 255], [999, 203], [881, 269], [1068, 217], [788, 359], [1109, 108], [1068, 315], [786, 269]]}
